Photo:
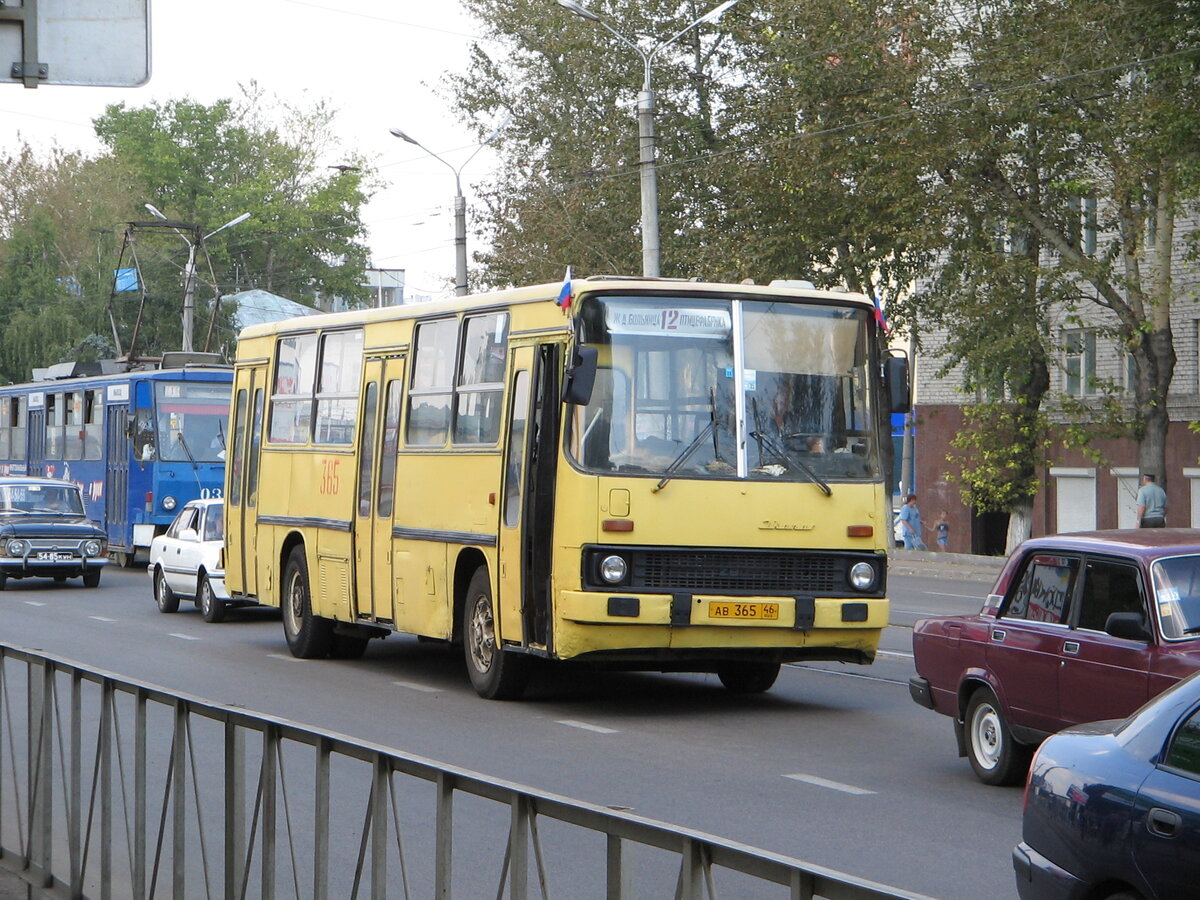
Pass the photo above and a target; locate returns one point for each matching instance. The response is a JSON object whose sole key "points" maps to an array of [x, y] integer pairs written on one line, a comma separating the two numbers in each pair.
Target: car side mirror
{"points": [[189, 534], [1128, 625]]}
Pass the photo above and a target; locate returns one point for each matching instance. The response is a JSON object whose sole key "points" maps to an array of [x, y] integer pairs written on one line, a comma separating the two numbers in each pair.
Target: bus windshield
{"points": [[689, 387], [191, 420]]}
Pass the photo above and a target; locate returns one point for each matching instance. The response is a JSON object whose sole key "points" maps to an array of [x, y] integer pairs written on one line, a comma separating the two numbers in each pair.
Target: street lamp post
{"points": [[189, 278], [647, 139], [460, 202]]}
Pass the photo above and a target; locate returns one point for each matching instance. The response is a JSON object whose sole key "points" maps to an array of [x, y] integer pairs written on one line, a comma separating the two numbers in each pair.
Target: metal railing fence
{"points": [[114, 788]]}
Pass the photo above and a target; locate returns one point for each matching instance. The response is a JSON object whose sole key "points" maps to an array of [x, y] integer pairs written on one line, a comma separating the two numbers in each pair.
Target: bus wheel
{"points": [[211, 606], [163, 595], [748, 677], [495, 674], [308, 636]]}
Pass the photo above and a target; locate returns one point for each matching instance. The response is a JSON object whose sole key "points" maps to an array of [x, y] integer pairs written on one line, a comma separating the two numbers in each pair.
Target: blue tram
{"points": [[140, 443]]}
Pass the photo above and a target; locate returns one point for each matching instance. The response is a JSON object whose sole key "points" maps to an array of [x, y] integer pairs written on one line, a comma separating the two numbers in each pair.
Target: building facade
{"points": [[1078, 491]]}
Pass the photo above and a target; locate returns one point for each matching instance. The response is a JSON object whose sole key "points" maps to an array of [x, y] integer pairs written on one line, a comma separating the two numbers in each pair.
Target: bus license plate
{"points": [[723, 609], [51, 556]]}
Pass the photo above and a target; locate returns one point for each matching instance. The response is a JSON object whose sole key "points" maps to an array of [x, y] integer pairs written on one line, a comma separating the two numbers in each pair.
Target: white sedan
{"points": [[185, 561]]}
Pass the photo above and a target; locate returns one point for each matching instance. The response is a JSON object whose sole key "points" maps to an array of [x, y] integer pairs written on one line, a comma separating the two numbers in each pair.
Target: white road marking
{"points": [[832, 785], [286, 657], [959, 596], [414, 686], [98, 618], [599, 729], [897, 654], [183, 637], [35, 603]]}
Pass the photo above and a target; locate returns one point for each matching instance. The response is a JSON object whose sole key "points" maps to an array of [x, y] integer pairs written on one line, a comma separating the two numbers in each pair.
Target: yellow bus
{"points": [[640, 473]]}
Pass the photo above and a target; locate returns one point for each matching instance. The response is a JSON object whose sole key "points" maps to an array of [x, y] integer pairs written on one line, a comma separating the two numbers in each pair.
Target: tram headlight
{"points": [[92, 548], [862, 576], [169, 503], [16, 548], [613, 569]]}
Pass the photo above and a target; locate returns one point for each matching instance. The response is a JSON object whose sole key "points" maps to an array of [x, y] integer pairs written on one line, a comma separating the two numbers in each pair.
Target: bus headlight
{"points": [[92, 548], [15, 548], [168, 503], [862, 576], [613, 569]]}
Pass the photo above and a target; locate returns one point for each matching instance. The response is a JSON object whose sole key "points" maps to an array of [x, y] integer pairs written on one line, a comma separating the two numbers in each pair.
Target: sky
{"points": [[379, 64]]}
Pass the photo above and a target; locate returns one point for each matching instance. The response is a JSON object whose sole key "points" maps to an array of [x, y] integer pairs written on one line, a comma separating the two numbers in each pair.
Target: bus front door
{"points": [[527, 516]]}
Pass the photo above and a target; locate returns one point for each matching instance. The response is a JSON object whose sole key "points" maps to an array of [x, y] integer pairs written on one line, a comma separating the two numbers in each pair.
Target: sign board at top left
{"points": [[104, 43]]}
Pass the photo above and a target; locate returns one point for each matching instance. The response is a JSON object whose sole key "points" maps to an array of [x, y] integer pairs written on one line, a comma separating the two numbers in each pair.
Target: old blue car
{"points": [[1112, 809]]}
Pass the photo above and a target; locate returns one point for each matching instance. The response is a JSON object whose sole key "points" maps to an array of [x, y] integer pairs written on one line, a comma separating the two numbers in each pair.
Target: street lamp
{"points": [[646, 136], [189, 280], [460, 203]]}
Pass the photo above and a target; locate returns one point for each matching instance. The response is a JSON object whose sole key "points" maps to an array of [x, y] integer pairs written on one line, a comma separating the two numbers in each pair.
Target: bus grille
{"points": [[711, 571]]}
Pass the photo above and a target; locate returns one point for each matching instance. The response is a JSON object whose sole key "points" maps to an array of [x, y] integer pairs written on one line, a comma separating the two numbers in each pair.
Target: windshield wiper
{"points": [[683, 457], [187, 450], [766, 441], [686, 452]]}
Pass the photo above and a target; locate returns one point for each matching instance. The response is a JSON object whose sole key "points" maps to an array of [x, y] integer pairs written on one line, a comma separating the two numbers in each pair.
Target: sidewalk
{"points": [[938, 564]]}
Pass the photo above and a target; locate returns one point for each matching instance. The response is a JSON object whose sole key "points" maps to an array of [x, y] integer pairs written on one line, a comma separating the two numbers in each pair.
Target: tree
{"points": [[1070, 132], [204, 165], [55, 237]]}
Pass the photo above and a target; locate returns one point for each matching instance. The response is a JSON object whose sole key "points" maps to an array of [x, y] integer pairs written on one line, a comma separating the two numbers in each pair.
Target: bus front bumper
{"points": [[654, 625]]}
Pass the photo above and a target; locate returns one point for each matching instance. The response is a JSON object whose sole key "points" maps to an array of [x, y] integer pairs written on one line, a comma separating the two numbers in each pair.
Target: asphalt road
{"points": [[836, 765]]}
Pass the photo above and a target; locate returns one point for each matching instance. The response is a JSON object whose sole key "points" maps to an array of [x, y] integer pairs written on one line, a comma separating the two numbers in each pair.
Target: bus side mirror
{"points": [[896, 383], [580, 376]]}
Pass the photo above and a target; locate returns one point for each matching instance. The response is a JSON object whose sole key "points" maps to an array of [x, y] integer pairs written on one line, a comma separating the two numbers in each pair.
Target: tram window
{"points": [[54, 426], [17, 421], [6, 423], [93, 438], [73, 425]]}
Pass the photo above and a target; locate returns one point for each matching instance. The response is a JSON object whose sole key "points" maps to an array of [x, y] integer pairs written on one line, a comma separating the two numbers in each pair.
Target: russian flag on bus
{"points": [[880, 319], [564, 293]]}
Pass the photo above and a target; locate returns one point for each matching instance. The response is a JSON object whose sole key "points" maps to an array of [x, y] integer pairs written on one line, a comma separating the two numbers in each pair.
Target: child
{"points": [[943, 533]]}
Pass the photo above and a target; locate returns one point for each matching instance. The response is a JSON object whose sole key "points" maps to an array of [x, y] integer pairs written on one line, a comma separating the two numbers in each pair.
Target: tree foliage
{"points": [[63, 218]]}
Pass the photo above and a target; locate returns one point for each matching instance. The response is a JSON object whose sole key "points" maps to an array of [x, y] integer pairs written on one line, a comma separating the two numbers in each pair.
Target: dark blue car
{"points": [[1112, 809]]}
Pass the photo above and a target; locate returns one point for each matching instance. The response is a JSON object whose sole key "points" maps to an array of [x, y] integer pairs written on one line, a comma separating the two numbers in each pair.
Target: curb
{"points": [[935, 564]]}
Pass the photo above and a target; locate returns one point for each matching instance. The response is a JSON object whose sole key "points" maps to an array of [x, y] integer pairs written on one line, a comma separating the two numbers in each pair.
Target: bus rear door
{"points": [[383, 382]]}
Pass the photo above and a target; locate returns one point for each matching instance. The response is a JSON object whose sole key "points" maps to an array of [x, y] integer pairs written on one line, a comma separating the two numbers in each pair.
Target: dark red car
{"points": [[1079, 627]]}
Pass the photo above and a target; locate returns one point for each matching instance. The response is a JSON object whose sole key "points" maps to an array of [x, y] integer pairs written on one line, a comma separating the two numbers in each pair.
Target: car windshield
{"points": [[1177, 592], [693, 387], [30, 499]]}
